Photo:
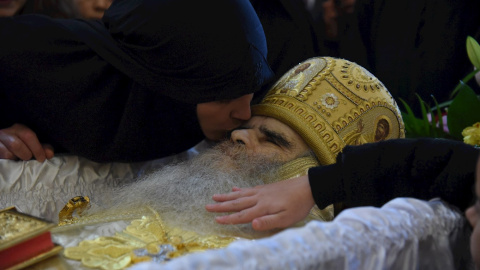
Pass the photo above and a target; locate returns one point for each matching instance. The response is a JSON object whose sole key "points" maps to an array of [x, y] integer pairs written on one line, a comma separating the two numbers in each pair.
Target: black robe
{"points": [[375, 173], [125, 88]]}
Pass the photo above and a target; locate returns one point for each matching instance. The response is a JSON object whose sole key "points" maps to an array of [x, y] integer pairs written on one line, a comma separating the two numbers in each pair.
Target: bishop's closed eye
{"points": [[275, 137]]}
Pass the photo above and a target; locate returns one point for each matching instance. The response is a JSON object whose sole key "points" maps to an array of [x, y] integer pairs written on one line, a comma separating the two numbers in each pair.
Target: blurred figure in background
{"points": [[11, 7], [85, 9], [330, 17]]}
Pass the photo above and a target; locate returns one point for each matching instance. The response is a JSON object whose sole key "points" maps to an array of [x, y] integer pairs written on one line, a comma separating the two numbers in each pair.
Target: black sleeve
{"points": [[372, 174]]}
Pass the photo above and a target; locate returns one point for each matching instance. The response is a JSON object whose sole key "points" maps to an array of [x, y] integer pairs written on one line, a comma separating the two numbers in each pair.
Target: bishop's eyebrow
{"points": [[275, 137]]}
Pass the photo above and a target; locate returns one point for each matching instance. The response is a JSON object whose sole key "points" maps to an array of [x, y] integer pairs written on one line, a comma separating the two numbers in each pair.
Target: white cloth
{"points": [[405, 233], [43, 189]]}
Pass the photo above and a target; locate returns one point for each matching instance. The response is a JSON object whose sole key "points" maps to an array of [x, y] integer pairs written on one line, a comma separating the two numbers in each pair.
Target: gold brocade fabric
{"points": [[144, 239], [296, 167]]}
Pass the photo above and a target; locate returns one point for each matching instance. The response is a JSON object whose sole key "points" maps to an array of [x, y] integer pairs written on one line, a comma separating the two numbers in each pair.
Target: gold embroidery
{"points": [[143, 239]]}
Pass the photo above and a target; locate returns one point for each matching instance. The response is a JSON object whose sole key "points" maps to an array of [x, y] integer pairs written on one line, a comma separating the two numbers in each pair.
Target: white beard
{"points": [[179, 192]]}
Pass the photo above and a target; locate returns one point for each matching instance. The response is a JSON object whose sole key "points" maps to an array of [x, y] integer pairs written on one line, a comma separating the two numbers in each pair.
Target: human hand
{"points": [[20, 142], [277, 205]]}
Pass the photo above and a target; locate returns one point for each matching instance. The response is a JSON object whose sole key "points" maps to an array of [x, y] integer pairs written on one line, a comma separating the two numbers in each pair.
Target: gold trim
{"points": [[296, 167]]}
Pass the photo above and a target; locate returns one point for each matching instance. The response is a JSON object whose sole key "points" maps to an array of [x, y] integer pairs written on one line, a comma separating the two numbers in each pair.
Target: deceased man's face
{"points": [[266, 136]]}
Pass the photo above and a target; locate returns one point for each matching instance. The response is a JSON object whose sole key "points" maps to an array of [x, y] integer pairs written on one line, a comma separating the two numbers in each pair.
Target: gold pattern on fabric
{"points": [[326, 214], [144, 239], [331, 103], [296, 167]]}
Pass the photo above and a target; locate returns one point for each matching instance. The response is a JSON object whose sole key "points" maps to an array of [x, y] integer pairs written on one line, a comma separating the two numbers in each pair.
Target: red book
{"points": [[24, 239]]}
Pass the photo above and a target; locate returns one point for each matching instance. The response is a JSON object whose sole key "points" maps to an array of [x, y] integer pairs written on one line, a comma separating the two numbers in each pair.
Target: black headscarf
{"points": [[125, 88], [201, 48]]}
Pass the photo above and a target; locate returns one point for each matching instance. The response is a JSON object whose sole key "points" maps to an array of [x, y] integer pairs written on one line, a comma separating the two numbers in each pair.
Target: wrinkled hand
{"points": [[20, 142], [277, 205]]}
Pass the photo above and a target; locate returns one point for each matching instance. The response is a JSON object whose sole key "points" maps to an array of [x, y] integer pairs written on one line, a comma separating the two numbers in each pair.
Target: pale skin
{"points": [[267, 207], [216, 119], [20, 142], [262, 205]]}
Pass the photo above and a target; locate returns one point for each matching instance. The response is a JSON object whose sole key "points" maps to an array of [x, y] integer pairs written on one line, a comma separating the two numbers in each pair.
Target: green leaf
{"points": [[473, 51], [413, 126], [442, 105], [464, 81], [418, 127], [463, 112], [424, 115], [409, 110], [421, 127]]}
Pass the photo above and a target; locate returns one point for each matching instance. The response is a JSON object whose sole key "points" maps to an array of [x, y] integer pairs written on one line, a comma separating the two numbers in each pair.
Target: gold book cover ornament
{"points": [[24, 239]]}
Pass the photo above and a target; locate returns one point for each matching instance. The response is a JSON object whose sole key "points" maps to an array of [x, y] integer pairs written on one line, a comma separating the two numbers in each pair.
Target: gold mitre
{"points": [[331, 103]]}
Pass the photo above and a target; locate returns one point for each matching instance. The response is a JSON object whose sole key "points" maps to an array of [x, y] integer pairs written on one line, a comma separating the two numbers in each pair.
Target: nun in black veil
{"points": [[130, 87]]}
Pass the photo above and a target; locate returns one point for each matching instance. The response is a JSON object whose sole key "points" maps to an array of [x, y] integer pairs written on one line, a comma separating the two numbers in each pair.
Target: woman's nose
{"points": [[241, 108], [103, 4]]}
